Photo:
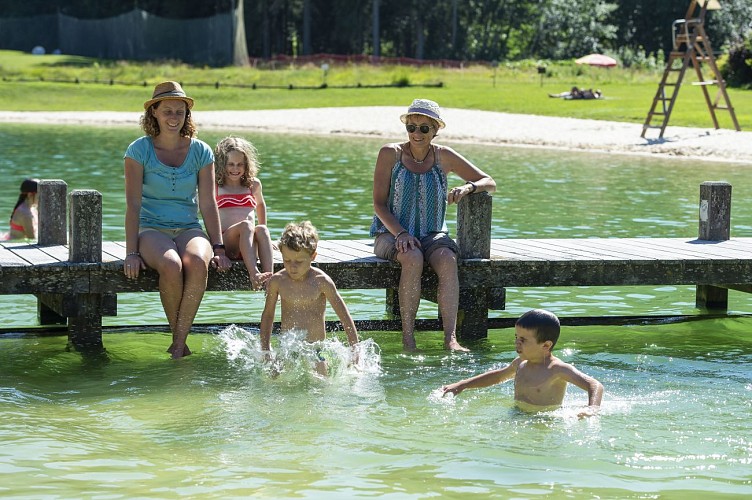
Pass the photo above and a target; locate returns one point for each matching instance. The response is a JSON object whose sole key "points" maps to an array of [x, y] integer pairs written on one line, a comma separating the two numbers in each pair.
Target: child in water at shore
{"points": [[240, 201], [540, 378], [304, 291]]}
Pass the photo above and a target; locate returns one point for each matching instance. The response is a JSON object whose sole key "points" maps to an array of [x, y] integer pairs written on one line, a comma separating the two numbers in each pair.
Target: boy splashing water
{"points": [[304, 292], [540, 378]]}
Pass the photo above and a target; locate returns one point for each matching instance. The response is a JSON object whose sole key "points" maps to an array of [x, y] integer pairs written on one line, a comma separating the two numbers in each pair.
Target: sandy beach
{"points": [[469, 126]]}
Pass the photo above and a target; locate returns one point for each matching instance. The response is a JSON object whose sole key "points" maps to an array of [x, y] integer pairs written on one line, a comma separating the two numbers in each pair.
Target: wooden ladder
{"points": [[691, 46]]}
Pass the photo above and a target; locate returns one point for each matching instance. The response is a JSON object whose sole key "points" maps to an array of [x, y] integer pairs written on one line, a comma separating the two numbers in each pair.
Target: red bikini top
{"points": [[244, 200]]}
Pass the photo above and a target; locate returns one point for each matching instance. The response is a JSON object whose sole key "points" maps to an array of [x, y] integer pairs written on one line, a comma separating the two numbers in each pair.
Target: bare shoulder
{"points": [[563, 368], [278, 278], [320, 277], [255, 184]]}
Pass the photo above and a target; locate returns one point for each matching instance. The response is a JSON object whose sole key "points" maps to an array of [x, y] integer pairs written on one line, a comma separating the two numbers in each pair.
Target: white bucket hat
{"points": [[424, 107]]}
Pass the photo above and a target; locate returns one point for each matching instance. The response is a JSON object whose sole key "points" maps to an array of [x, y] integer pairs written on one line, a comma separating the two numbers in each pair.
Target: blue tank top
{"points": [[418, 201]]}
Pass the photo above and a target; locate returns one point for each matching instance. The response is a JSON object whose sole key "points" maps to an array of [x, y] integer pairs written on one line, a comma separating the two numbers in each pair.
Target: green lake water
{"points": [[675, 421]]}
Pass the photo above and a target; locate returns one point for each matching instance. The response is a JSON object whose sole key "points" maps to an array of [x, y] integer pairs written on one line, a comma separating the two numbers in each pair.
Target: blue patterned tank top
{"points": [[418, 201]]}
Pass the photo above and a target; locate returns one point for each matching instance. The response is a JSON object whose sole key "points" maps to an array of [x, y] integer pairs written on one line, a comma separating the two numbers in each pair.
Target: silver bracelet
{"points": [[400, 233]]}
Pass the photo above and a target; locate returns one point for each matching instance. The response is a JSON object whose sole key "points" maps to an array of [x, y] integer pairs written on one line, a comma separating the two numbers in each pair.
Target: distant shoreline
{"points": [[463, 126]]}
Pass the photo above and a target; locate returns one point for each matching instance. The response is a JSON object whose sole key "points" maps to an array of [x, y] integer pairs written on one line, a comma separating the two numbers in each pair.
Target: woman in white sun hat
{"points": [[410, 197]]}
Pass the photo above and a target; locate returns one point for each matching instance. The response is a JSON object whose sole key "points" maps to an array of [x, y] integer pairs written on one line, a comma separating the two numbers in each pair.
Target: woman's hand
{"points": [[132, 265], [457, 193], [405, 242]]}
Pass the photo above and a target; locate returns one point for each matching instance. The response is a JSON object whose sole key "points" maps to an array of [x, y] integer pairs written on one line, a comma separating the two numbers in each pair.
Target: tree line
{"points": [[472, 30]]}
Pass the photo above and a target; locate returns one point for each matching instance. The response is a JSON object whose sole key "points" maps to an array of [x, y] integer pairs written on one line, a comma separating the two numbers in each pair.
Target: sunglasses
{"points": [[424, 129]]}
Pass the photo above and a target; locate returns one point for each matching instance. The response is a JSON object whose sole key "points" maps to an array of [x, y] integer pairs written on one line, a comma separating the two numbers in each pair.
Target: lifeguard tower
{"points": [[691, 47]]}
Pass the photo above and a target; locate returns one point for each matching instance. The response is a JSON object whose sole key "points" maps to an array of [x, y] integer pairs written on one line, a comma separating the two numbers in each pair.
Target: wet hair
{"points": [[28, 186], [543, 323], [150, 125], [300, 236], [250, 155]]}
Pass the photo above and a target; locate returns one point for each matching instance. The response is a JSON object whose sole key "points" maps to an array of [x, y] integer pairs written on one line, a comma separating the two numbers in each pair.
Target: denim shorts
{"points": [[384, 245]]}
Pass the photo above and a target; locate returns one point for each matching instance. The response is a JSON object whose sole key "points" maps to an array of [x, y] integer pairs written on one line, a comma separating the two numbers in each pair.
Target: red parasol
{"points": [[597, 60]]}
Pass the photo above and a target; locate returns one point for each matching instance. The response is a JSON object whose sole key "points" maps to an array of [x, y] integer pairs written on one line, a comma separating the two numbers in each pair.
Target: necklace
{"points": [[410, 148]]}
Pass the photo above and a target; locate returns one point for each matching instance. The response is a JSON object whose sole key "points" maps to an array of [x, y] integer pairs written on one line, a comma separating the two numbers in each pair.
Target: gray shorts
{"points": [[384, 245]]}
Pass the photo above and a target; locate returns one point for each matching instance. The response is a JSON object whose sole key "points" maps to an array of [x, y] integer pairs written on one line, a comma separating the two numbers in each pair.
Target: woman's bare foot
{"points": [[179, 353], [408, 343], [453, 345]]}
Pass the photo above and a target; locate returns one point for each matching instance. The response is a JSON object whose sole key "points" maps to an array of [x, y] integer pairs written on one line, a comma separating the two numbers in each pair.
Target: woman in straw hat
{"points": [[410, 197], [169, 174]]}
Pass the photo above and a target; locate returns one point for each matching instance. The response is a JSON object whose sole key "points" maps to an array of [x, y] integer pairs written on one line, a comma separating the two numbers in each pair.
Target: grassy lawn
{"points": [[47, 83]]}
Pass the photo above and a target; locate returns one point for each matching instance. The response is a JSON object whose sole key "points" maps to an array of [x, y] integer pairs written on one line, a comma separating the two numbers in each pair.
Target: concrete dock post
{"points": [[52, 230], [85, 328], [474, 239], [714, 225]]}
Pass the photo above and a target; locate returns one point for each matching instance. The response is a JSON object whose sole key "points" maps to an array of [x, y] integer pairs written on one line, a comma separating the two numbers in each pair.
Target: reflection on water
{"points": [[674, 423]]}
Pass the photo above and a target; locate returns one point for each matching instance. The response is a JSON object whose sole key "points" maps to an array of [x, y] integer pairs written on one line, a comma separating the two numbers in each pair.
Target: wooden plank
{"points": [[113, 251], [582, 249], [692, 248], [337, 251], [33, 255], [609, 248], [516, 250], [58, 252], [623, 249], [360, 249], [9, 258]]}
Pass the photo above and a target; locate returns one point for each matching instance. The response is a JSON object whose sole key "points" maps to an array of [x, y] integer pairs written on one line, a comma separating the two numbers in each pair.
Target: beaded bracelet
{"points": [[137, 254]]}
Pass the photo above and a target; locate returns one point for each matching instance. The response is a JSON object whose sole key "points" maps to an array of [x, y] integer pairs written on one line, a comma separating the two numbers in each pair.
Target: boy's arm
{"points": [[484, 379], [267, 317], [340, 308], [584, 382]]}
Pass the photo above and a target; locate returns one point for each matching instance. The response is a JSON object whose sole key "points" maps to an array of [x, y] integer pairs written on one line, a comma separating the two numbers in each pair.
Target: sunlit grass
{"points": [[47, 83]]}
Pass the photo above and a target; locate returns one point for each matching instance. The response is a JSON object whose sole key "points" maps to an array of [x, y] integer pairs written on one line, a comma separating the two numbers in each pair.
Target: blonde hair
{"points": [[300, 236], [250, 157]]}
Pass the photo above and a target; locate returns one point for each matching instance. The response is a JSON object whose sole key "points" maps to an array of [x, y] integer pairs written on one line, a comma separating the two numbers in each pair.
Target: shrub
{"points": [[736, 67]]}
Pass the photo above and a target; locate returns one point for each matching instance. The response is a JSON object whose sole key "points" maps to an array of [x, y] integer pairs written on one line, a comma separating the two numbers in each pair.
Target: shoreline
{"points": [[463, 126]]}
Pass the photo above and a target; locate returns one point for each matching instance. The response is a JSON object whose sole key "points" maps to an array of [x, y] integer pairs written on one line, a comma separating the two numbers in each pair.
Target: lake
{"points": [[675, 417]]}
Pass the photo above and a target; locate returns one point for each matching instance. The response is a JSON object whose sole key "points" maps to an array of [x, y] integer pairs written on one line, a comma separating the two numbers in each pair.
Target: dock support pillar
{"points": [[85, 329], [715, 225], [474, 240], [52, 231]]}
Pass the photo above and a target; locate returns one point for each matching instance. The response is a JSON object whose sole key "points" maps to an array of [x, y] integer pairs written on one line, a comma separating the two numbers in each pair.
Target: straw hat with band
{"points": [[168, 90], [424, 107]]}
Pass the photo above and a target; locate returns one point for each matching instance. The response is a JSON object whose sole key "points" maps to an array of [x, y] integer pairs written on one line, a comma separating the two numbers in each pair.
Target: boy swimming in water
{"points": [[304, 291], [540, 378]]}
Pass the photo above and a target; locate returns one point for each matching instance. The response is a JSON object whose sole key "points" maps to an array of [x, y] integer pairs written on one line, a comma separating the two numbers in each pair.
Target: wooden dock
{"points": [[78, 282]]}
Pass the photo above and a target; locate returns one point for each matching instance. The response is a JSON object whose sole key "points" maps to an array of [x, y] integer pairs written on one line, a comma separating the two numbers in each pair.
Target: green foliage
{"points": [[639, 59], [736, 67], [565, 32]]}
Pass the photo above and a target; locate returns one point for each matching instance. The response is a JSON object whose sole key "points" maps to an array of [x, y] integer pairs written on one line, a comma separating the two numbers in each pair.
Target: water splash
{"points": [[293, 358]]}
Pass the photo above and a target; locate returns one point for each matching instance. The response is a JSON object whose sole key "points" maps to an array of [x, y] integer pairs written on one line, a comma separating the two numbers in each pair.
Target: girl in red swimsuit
{"points": [[23, 219], [241, 203]]}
